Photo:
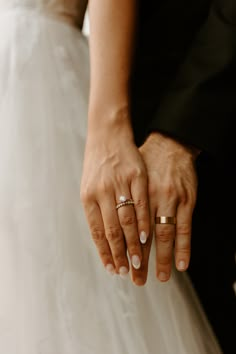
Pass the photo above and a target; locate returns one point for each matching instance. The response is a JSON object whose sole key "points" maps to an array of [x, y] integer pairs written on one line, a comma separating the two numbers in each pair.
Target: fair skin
{"points": [[113, 165], [160, 176]]}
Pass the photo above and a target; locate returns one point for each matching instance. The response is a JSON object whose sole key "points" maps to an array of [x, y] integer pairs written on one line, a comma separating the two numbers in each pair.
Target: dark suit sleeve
{"points": [[199, 107]]}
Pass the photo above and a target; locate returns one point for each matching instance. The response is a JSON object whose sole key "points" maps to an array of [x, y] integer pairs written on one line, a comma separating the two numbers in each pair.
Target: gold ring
{"points": [[165, 220], [127, 202]]}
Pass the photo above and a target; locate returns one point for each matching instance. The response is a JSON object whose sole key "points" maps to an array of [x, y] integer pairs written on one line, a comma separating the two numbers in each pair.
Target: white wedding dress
{"points": [[55, 297]]}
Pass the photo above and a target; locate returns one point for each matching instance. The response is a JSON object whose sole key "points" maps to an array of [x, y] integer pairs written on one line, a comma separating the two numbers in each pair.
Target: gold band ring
{"points": [[127, 202], [165, 220]]}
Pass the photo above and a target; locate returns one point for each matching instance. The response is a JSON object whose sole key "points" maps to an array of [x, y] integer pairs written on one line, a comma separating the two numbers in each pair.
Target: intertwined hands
{"points": [[160, 178]]}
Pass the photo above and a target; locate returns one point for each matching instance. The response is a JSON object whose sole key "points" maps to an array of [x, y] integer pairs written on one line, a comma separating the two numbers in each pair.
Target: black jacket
{"points": [[184, 84], [184, 77]]}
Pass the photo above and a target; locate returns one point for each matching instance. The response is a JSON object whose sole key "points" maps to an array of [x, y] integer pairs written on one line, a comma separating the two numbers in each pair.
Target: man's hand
{"points": [[172, 192], [113, 167]]}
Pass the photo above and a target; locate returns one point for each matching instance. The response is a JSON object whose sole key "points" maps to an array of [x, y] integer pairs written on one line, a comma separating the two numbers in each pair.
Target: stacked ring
{"points": [[124, 201], [127, 202]]}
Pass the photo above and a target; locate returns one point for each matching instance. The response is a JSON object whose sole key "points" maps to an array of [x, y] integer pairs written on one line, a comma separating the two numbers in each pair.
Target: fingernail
{"points": [[163, 276], [110, 269], [136, 262], [182, 265], [143, 237], [123, 271]]}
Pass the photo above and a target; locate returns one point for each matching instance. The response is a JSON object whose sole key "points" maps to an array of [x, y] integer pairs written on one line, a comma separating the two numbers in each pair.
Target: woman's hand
{"points": [[113, 167]]}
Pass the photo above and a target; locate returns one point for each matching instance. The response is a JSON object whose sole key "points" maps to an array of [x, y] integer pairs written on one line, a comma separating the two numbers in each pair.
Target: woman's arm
{"points": [[113, 166], [112, 25]]}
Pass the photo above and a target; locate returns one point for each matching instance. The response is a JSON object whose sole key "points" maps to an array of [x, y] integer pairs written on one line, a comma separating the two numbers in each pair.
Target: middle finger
{"points": [[128, 222]]}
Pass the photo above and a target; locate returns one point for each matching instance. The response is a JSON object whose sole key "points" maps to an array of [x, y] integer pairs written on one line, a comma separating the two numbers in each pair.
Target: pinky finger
{"points": [[96, 226], [183, 238]]}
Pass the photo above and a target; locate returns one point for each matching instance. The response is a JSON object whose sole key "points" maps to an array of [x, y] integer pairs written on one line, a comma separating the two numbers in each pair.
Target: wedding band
{"points": [[127, 202], [165, 220]]}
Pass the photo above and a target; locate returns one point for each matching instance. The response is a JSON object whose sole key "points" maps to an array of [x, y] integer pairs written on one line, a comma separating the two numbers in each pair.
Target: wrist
{"points": [[111, 120], [110, 116], [172, 146]]}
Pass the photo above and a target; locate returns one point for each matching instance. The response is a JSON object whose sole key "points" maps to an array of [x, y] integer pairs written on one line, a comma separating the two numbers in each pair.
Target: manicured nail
{"points": [[143, 237], [136, 262], [182, 265], [110, 269], [163, 276], [123, 271]]}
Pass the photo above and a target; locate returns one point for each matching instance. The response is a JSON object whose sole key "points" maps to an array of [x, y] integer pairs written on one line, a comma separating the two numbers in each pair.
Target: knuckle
{"points": [[142, 222], [86, 196], [113, 233], [137, 172], [127, 220], [164, 260], [164, 235], [169, 190], [105, 255], [183, 250], [188, 197], [183, 229], [97, 234], [141, 204], [120, 260], [184, 197]]}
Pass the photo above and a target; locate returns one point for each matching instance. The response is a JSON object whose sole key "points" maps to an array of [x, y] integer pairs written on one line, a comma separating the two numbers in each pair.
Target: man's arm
{"points": [[199, 108]]}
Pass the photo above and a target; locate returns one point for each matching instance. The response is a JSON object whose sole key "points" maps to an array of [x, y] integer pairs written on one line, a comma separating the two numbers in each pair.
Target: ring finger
{"points": [[165, 235]]}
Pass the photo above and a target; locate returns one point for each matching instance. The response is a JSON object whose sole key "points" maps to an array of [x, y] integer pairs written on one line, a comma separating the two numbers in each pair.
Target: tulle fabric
{"points": [[55, 297]]}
